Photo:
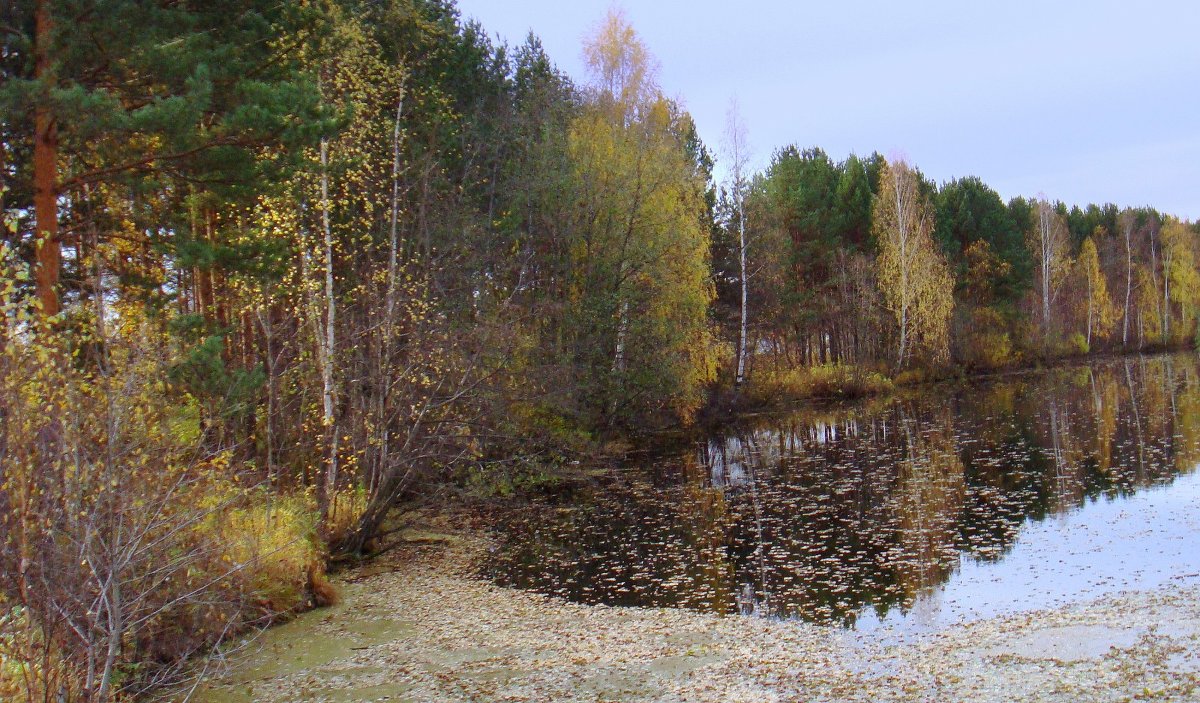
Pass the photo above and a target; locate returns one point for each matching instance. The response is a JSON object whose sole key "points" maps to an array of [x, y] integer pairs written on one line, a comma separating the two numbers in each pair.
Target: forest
{"points": [[270, 270]]}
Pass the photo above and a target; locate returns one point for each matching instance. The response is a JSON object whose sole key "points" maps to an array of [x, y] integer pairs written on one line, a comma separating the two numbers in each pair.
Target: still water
{"points": [[908, 513]]}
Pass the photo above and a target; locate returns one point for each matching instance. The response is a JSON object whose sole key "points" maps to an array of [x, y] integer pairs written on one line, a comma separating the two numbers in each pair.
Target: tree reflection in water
{"points": [[832, 515]]}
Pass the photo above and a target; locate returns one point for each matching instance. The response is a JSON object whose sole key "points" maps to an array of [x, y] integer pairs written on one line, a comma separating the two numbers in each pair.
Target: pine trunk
{"points": [[45, 171]]}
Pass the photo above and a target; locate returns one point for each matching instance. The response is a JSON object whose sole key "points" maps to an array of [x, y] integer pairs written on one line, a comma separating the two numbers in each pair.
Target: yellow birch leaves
{"points": [[914, 279]]}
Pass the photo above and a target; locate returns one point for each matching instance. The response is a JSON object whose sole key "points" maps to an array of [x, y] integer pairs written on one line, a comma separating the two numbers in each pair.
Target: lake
{"points": [[948, 503]]}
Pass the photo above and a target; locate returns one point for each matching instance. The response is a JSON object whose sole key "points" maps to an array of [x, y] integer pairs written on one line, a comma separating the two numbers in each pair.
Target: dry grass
{"points": [[772, 387]]}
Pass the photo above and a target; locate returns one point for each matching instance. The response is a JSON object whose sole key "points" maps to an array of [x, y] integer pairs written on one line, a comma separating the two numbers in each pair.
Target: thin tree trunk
{"points": [[618, 365], [394, 239], [266, 320], [1045, 225], [622, 331], [329, 483], [1166, 295], [902, 221], [1154, 279], [741, 361], [45, 170], [383, 381], [1090, 305], [115, 633], [1128, 283]]}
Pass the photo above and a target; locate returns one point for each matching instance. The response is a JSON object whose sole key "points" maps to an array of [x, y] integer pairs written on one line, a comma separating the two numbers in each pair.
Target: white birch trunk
{"points": [[622, 330], [1047, 254], [1128, 282], [326, 345], [1154, 277], [741, 361], [1090, 306], [902, 224], [735, 136], [1167, 255]]}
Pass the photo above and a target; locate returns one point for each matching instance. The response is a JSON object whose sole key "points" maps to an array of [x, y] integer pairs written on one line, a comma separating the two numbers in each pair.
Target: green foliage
{"points": [[226, 393], [968, 211], [521, 475], [348, 249], [1077, 344]]}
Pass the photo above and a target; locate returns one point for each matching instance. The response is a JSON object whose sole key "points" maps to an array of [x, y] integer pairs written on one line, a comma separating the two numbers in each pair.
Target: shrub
{"points": [[909, 377], [986, 341], [126, 547], [989, 349], [271, 542], [1078, 345], [825, 381]]}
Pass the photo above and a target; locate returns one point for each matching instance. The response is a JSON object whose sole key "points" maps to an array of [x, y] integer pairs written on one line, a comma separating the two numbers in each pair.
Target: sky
{"points": [[1095, 101]]}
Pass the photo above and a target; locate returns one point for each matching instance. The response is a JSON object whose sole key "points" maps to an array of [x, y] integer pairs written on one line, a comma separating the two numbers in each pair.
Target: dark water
{"points": [[964, 502]]}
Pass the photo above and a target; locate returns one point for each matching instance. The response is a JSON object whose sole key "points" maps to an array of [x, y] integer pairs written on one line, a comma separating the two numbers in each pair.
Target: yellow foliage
{"points": [[99, 460], [1182, 278], [987, 343], [640, 278], [1101, 314], [914, 278], [768, 387], [272, 540]]}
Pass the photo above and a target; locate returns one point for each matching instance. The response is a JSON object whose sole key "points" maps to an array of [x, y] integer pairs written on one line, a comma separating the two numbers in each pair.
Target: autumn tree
{"points": [[737, 153], [914, 279], [1048, 242], [1127, 223], [146, 98], [641, 286], [1181, 280], [968, 211], [1100, 314]]}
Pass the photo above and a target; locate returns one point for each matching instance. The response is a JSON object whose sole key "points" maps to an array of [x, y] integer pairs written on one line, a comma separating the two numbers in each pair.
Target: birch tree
{"points": [[327, 346], [1181, 284], [1099, 307], [1127, 223], [1047, 241], [914, 279], [738, 155], [642, 284]]}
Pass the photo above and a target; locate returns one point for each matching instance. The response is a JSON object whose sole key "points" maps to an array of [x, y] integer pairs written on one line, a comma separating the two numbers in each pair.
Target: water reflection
{"points": [[866, 514]]}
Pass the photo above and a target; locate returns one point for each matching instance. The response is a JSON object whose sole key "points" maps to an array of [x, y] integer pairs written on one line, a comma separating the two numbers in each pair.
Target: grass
{"points": [[274, 540]]}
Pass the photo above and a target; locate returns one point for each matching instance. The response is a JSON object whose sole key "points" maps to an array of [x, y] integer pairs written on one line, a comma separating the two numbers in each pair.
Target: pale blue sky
{"points": [[1085, 101]]}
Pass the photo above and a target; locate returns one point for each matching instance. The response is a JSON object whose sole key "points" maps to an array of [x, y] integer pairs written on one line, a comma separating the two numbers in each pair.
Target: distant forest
{"points": [[268, 269]]}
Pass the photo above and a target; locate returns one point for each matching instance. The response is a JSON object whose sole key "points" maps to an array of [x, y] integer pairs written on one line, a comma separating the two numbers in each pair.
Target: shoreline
{"points": [[727, 406], [421, 625]]}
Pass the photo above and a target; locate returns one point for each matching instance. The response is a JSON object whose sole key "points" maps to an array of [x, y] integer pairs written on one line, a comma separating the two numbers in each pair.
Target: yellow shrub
{"points": [[824, 381], [911, 377], [988, 350], [30, 668], [273, 541], [347, 506]]}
